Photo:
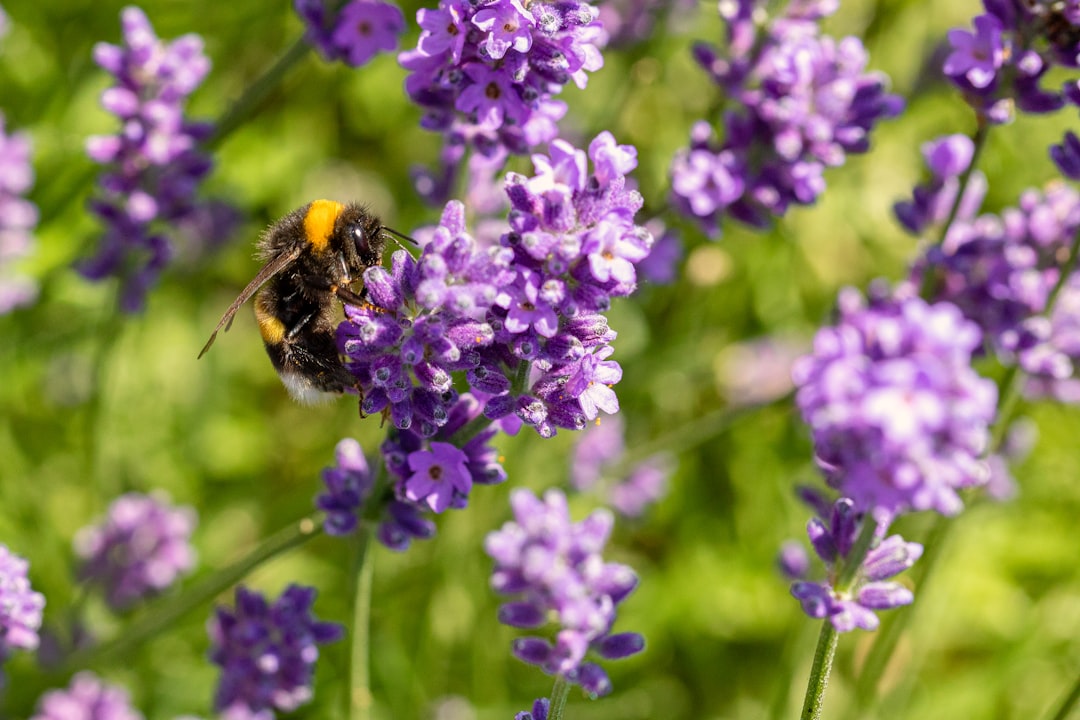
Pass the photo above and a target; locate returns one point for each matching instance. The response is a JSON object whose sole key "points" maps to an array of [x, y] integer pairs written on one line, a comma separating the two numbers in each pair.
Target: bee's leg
{"points": [[345, 294]]}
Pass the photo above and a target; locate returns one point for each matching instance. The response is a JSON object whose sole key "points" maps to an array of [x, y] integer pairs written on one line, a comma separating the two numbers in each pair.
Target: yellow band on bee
{"points": [[271, 329], [319, 222]]}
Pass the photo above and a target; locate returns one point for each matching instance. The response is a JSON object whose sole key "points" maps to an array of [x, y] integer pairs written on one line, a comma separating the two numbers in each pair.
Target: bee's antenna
{"points": [[401, 235]]}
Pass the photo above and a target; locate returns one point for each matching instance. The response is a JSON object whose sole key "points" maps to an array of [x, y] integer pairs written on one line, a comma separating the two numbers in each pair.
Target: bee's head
{"points": [[362, 231]]}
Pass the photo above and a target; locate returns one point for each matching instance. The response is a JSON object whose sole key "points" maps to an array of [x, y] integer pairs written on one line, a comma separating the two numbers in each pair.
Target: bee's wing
{"points": [[268, 271]]}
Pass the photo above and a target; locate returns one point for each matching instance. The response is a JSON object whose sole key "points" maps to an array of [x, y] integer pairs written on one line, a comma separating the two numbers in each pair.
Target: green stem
{"points": [[694, 433], [359, 689], [1069, 702], [820, 671], [559, 693], [255, 93], [163, 617]]}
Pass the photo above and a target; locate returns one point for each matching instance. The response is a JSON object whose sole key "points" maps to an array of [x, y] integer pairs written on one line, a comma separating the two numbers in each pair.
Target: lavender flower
{"points": [[18, 217], [801, 102], [486, 74], [267, 652], [899, 418], [348, 484], [1000, 270], [141, 548], [999, 65], [553, 568], [947, 158], [87, 698], [433, 475], [856, 605], [539, 711], [153, 164], [359, 31], [20, 607], [523, 320]]}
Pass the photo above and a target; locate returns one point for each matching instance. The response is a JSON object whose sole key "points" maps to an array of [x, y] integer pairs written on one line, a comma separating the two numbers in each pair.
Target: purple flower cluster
{"points": [[800, 102], [598, 453], [267, 652], [554, 569], [947, 158], [348, 484], [1000, 271], [433, 474], [539, 711], [18, 217], [898, 416], [141, 548], [356, 33], [523, 320], [87, 698], [20, 606], [153, 164], [486, 74], [1000, 63], [871, 589]]}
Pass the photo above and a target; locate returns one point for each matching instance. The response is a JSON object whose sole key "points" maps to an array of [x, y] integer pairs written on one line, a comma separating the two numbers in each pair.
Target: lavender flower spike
{"points": [[871, 590], [18, 216], [358, 31], [20, 607], [152, 166], [898, 416], [87, 698], [553, 568], [267, 652], [141, 548]]}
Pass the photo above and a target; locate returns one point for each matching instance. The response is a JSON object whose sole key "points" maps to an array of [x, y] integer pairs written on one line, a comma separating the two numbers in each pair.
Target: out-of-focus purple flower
{"points": [[792, 560], [348, 484], [87, 698], [999, 66], [977, 56], [801, 102], [871, 589], [18, 217], [267, 652], [628, 22], [898, 417], [758, 371], [661, 265], [153, 166], [1067, 155], [947, 157], [554, 569], [359, 31], [539, 711], [1000, 270], [141, 548], [598, 454], [487, 75], [20, 606]]}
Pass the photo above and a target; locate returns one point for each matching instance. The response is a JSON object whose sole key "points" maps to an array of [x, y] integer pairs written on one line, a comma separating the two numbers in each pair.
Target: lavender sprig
{"points": [[18, 217], [553, 568], [803, 102], [87, 697], [153, 165], [487, 74]]}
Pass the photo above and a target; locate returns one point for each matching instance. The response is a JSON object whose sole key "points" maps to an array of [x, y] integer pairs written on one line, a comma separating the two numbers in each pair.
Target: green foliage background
{"points": [[93, 405]]}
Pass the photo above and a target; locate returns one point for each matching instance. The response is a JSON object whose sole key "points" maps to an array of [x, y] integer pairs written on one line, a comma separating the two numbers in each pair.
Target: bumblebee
{"points": [[312, 256]]}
